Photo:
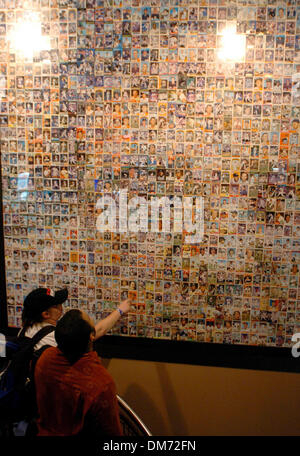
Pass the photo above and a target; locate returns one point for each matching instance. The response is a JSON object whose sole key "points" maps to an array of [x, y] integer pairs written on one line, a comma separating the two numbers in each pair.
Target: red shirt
{"points": [[75, 398]]}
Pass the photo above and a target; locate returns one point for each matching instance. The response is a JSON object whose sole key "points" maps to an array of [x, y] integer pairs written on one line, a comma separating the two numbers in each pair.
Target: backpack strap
{"points": [[22, 332], [41, 333], [35, 357]]}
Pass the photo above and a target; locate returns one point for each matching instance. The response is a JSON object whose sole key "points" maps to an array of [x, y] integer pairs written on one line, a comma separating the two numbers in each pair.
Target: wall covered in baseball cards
{"points": [[191, 104]]}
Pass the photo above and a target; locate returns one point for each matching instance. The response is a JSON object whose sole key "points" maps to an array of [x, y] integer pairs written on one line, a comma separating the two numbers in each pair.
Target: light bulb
{"points": [[26, 37], [233, 45]]}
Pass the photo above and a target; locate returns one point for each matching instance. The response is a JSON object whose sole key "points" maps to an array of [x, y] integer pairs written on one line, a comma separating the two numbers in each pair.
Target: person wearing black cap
{"points": [[42, 307]]}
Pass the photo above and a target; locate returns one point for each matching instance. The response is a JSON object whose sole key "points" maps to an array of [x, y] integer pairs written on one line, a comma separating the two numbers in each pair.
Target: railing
{"points": [[130, 421]]}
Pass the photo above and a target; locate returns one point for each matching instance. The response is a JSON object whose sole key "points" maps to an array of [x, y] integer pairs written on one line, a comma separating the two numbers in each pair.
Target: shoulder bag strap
{"points": [[41, 333]]}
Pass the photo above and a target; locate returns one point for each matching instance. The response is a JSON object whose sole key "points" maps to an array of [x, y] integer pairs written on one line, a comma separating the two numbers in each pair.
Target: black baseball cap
{"points": [[42, 299]]}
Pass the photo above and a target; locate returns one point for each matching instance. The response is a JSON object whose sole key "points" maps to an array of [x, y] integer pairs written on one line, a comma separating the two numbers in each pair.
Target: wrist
{"points": [[121, 312]]}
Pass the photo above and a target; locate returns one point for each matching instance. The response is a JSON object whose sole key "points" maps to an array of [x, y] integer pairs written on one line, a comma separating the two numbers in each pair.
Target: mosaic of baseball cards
{"points": [[132, 95]]}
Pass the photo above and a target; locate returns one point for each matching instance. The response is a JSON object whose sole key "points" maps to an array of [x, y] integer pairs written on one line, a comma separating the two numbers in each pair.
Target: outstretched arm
{"points": [[107, 323]]}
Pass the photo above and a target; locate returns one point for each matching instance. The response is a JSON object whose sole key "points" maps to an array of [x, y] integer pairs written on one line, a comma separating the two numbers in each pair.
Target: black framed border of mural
{"points": [[199, 353], [262, 358]]}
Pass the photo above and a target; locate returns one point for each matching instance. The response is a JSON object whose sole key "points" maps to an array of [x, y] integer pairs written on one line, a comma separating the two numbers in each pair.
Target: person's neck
{"points": [[90, 347], [50, 321]]}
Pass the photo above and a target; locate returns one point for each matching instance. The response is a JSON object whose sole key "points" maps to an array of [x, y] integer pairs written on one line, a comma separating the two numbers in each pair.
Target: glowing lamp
{"points": [[26, 36], [233, 45]]}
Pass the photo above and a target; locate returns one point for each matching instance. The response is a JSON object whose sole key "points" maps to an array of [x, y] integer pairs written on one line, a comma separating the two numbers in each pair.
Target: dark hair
{"points": [[72, 334], [29, 321]]}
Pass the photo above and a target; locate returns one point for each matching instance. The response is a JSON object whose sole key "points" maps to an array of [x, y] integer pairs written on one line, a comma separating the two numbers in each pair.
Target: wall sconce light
{"points": [[232, 45], [26, 38]]}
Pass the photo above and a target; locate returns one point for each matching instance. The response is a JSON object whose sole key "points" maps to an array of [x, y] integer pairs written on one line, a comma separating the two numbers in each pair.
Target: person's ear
{"points": [[45, 314], [92, 336]]}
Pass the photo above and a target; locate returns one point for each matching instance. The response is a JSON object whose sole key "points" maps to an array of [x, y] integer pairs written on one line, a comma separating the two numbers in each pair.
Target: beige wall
{"points": [[179, 399]]}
